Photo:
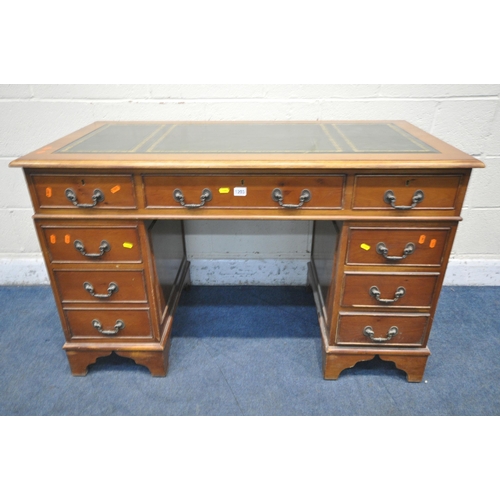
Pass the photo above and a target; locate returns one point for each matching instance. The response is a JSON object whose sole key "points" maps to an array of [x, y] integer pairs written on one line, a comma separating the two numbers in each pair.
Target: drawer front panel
{"points": [[244, 191], [116, 191], [92, 245], [388, 290], [101, 286], [112, 324], [393, 330], [439, 192], [401, 247]]}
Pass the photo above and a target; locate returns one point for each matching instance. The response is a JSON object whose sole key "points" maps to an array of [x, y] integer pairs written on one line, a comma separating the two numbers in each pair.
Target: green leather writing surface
{"points": [[223, 137]]}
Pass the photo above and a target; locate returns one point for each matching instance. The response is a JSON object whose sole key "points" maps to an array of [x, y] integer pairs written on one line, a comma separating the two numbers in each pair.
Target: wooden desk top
{"points": [[319, 145]]}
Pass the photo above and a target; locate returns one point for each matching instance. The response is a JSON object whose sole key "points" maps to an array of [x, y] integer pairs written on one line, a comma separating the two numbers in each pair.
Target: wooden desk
{"points": [[385, 198]]}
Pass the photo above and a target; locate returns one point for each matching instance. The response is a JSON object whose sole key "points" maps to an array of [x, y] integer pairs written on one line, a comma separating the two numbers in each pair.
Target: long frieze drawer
{"points": [[245, 191], [397, 246], [389, 290], [108, 324], [406, 193], [84, 191], [93, 245], [382, 329], [101, 286]]}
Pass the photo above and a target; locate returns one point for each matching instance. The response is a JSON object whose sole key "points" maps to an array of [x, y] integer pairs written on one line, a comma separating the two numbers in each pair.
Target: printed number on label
{"points": [[240, 191]]}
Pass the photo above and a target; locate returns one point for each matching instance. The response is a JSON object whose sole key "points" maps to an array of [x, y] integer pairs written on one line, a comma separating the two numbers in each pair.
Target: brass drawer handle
{"points": [[392, 332], [119, 325], [112, 288], [375, 293], [97, 197], [206, 195], [390, 199], [103, 248], [383, 250], [277, 195]]}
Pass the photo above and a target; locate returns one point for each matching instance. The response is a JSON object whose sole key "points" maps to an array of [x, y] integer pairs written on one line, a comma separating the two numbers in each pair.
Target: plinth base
{"points": [[412, 362]]}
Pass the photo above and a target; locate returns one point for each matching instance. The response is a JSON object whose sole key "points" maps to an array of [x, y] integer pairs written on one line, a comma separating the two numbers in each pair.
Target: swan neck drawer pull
{"points": [[103, 248], [206, 195], [390, 199], [375, 293], [112, 288], [383, 250], [119, 325], [277, 195], [97, 197], [392, 332]]}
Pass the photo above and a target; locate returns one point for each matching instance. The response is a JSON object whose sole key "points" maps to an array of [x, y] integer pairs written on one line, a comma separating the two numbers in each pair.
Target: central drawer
{"points": [[245, 191]]}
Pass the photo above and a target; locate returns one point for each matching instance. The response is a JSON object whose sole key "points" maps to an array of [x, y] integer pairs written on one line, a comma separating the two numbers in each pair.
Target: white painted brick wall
{"points": [[467, 116]]}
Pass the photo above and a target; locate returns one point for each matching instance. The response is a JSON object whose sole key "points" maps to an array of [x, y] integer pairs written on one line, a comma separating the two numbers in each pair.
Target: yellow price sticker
{"points": [[127, 245], [364, 246], [224, 190]]}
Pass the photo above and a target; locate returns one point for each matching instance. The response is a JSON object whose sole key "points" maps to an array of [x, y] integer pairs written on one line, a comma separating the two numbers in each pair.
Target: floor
{"points": [[250, 351]]}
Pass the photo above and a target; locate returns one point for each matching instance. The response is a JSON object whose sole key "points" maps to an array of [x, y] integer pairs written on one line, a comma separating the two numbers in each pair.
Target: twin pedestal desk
{"points": [[385, 198]]}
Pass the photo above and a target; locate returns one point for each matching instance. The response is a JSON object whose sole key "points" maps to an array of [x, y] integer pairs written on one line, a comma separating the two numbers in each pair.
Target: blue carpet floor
{"points": [[249, 351]]}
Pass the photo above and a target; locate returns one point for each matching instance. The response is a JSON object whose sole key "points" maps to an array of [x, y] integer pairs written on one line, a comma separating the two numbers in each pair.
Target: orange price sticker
{"points": [[115, 189], [67, 238], [421, 239], [48, 192], [52, 238], [432, 244]]}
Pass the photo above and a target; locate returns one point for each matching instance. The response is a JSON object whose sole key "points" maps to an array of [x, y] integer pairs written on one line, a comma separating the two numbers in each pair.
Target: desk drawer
{"points": [[84, 191], [389, 290], [382, 329], [92, 245], [245, 191], [406, 194], [395, 246], [101, 287], [108, 324]]}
